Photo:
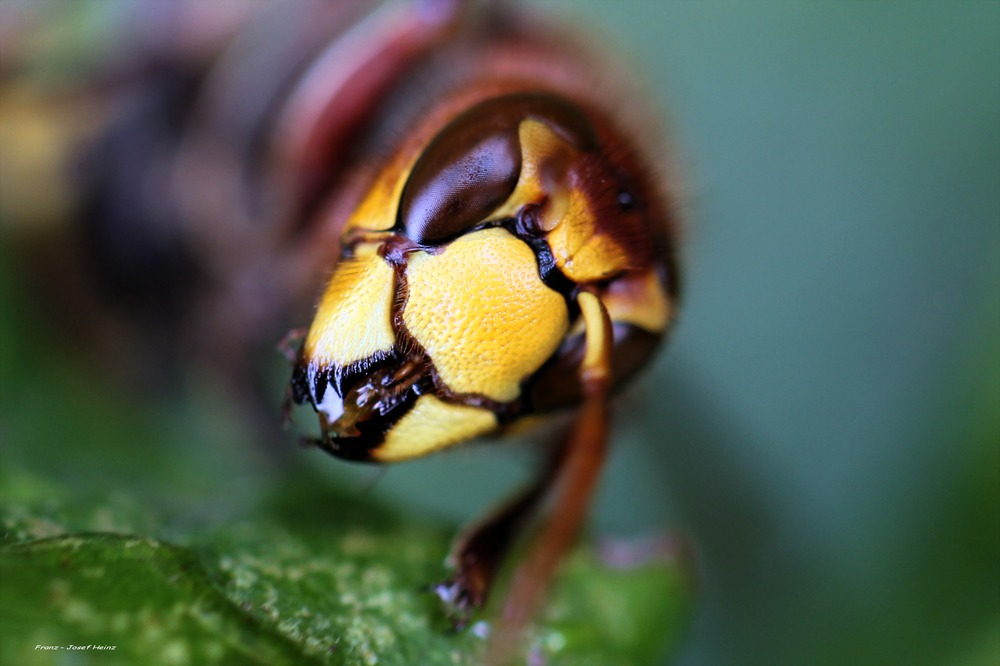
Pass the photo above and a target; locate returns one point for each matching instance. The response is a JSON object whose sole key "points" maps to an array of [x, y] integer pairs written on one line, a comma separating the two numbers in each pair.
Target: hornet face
{"points": [[453, 311]]}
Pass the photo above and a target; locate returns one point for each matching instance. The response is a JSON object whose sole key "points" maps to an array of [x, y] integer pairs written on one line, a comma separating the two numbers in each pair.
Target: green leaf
{"points": [[130, 599], [315, 577]]}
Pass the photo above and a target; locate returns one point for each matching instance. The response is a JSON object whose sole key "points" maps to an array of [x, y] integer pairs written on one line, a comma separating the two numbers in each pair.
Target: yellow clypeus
{"points": [[483, 314]]}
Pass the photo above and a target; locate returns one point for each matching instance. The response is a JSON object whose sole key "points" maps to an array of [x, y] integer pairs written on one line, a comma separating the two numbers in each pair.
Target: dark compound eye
{"points": [[472, 166], [466, 172]]}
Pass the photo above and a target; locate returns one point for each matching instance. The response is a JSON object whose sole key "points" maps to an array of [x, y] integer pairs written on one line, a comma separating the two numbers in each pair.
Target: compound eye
{"points": [[473, 165], [466, 172]]}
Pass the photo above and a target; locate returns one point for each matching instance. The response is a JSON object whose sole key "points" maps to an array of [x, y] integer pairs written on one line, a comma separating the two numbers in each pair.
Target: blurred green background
{"points": [[827, 417], [825, 423]]}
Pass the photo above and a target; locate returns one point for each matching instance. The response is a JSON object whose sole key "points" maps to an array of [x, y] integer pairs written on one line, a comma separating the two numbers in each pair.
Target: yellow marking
{"points": [[379, 207], [639, 299], [539, 146], [483, 314], [597, 357], [354, 316], [581, 253], [433, 425]]}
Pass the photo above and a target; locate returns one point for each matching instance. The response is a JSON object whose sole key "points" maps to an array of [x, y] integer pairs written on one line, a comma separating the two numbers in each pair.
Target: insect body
{"points": [[454, 310], [511, 255]]}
